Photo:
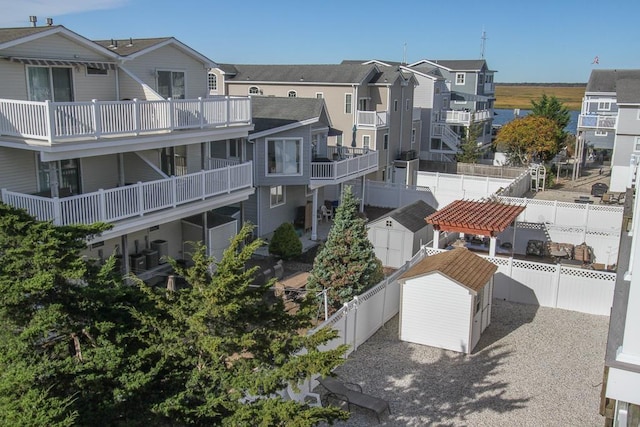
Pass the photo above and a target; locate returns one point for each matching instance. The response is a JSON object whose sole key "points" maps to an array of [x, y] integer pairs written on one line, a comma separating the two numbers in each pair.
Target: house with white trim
{"points": [[119, 131]]}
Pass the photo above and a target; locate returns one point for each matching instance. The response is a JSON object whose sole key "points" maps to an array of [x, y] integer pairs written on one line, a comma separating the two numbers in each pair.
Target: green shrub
{"points": [[285, 242]]}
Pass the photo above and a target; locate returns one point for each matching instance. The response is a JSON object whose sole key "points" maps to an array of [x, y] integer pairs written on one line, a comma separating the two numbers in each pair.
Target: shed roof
{"points": [[475, 217], [411, 216], [274, 112], [460, 264]]}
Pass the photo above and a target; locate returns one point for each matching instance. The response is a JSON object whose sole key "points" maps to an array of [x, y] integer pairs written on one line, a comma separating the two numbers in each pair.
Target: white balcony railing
{"points": [[60, 121], [135, 200], [372, 118], [597, 121], [464, 117], [353, 167], [215, 163]]}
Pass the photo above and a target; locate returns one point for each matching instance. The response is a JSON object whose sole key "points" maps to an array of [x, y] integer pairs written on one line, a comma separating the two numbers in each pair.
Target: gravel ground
{"points": [[533, 366]]}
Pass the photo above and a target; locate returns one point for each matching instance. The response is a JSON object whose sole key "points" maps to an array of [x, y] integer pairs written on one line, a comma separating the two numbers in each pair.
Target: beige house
{"points": [[371, 106]]}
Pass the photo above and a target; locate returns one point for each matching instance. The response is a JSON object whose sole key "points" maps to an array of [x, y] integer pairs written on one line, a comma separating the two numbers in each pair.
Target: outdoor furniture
{"points": [[598, 189], [584, 199], [327, 213], [352, 394], [535, 247]]}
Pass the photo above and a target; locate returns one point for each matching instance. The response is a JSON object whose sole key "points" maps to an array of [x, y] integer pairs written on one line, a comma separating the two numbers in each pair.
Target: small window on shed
{"points": [[253, 90], [92, 71], [389, 223]]}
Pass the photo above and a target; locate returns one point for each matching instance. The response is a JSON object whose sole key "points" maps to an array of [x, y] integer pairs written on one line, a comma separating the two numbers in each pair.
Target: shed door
{"points": [[388, 245]]}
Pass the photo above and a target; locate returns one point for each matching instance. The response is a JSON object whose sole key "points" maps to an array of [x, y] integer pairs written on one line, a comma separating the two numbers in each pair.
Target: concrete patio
{"points": [[533, 366]]}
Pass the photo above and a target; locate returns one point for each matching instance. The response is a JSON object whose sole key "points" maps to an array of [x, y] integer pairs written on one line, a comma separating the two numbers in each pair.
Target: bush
{"points": [[285, 242]]}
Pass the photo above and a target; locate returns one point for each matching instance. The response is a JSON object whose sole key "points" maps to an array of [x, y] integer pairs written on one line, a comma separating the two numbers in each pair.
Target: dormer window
{"points": [[253, 90], [459, 78]]}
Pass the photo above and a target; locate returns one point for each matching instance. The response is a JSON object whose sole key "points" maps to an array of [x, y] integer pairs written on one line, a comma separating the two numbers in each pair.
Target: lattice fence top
{"points": [[530, 225], [588, 274], [535, 266]]}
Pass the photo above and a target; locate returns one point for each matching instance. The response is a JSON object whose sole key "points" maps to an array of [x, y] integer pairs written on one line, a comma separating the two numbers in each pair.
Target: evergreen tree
{"points": [[469, 150], [551, 108], [285, 242], [346, 265], [60, 319], [216, 351]]}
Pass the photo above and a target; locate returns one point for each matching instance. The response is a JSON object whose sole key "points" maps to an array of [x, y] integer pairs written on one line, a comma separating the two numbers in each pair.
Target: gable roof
{"points": [[483, 218], [320, 73], [455, 64], [628, 90], [11, 34], [272, 113], [410, 216], [132, 48], [606, 81], [459, 264]]}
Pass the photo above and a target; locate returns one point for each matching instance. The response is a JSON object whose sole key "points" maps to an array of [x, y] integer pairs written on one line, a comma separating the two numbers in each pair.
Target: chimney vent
{"points": [[130, 42], [34, 20], [49, 21]]}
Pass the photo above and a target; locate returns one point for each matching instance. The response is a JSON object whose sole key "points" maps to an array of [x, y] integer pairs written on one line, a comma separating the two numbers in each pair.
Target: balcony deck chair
{"points": [[326, 213], [353, 395]]}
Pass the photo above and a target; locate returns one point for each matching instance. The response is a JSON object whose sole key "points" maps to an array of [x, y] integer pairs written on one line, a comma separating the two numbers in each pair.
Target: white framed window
{"points": [[284, 156], [171, 84], [480, 79], [460, 78], [407, 104], [366, 142], [254, 90], [636, 144], [212, 82], [292, 94], [385, 141], [348, 100], [601, 133], [233, 148], [604, 106], [92, 71], [319, 95], [395, 105], [413, 136], [277, 196], [50, 83], [67, 171]]}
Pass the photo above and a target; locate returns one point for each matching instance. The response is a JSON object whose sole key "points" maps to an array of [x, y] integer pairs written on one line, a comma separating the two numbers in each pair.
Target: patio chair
{"points": [[326, 213], [353, 395]]}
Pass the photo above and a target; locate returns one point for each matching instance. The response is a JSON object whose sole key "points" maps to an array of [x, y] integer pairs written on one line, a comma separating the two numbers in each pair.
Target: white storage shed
{"points": [[397, 236], [445, 300]]}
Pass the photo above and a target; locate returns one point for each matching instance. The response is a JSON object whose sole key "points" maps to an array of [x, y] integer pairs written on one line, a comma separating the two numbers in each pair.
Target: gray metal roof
{"points": [[270, 112], [320, 73], [628, 90], [461, 64], [128, 47], [610, 80], [411, 216], [10, 34]]}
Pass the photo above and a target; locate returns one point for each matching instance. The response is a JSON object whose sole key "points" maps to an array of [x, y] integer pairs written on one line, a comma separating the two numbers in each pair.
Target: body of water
{"points": [[503, 116]]}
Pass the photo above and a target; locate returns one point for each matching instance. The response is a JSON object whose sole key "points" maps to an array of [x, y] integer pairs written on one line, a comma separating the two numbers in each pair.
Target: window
{"points": [[284, 156], [339, 139], [389, 223], [319, 95], [385, 141], [436, 144], [413, 136], [212, 81], [171, 84], [68, 175], [366, 142], [407, 104], [292, 94], [459, 78], [636, 144], [277, 195], [604, 106], [253, 90], [395, 105], [50, 83], [91, 71], [480, 79], [601, 133], [347, 103], [233, 148]]}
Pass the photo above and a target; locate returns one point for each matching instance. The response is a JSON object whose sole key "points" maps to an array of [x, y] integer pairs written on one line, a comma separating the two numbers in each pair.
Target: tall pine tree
{"points": [[346, 265]]}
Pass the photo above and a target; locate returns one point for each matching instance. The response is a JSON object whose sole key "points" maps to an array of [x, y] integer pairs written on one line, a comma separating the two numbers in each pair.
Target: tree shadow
{"points": [[430, 386]]}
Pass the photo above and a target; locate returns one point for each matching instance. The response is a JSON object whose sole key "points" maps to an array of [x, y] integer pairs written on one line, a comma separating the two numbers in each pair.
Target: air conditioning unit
{"points": [[162, 246]]}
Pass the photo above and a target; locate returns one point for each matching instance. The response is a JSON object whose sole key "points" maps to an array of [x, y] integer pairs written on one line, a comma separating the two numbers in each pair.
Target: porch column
{"points": [[314, 217], [54, 185], [121, 170], [436, 238], [362, 196], [492, 246]]}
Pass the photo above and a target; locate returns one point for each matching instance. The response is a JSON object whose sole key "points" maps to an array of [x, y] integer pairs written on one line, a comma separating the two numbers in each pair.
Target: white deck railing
{"points": [[139, 199], [464, 117], [353, 167], [60, 121], [215, 163], [597, 121], [372, 118]]}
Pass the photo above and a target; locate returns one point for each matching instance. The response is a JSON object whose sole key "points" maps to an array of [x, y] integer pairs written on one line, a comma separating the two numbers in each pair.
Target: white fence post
{"points": [[136, 116], [355, 323], [556, 279], [204, 184], [95, 107], [103, 205], [57, 211], [51, 120], [140, 199]]}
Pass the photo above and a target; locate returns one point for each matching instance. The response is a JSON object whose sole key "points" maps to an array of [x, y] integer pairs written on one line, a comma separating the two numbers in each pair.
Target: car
{"points": [[598, 189]]}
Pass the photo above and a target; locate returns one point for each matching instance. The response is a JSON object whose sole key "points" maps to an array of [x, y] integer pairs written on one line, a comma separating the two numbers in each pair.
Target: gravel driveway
{"points": [[533, 366]]}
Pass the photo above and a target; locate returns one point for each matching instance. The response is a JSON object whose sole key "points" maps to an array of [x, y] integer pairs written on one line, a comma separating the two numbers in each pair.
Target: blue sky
{"points": [[536, 41]]}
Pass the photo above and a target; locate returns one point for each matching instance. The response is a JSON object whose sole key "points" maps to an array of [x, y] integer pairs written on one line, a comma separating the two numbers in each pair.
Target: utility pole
{"points": [[483, 43]]}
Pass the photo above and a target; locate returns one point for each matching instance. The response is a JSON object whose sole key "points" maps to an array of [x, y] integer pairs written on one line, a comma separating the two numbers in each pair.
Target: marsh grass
{"points": [[520, 96]]}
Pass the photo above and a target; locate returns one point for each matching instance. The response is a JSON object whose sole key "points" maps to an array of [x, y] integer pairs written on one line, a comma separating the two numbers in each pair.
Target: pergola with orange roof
{"points": [[484, 218]]}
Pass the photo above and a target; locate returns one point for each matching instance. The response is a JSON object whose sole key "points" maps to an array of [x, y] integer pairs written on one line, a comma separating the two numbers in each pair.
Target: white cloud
{"points": [[16, 13]]}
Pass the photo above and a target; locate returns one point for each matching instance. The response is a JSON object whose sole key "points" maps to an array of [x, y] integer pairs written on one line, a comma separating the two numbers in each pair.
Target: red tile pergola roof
{"points": [[483, 218]]}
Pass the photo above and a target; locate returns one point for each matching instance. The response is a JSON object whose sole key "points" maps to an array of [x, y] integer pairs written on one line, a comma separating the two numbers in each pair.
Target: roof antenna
{"points": [[483, 43], [404, 55]]}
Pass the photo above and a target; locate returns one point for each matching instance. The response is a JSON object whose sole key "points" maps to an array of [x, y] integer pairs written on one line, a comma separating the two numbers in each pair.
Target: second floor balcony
{"points": [[372, 119], [135, 200], [58, 122], [462, 117], [597, 121], [350, 163]]}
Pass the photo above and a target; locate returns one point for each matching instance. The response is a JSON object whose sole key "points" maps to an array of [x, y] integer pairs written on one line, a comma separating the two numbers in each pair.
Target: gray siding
{"points": [[18, 170], [271, 218], [261, 178]]}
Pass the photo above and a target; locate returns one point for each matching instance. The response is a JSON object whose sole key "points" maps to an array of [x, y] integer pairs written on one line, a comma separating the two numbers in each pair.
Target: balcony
{"points": [[56, 122], [372, 119], [597, 121], [136, 200], [464, 117], [350, 165], [489, 88]]}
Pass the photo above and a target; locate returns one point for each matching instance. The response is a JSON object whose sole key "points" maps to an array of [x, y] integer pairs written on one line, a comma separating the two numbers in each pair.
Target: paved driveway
{"points": [[534, 366]]}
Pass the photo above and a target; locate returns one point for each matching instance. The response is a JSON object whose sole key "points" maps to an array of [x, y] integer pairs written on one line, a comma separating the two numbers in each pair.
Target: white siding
{"points": [[393, 244], [18, 170], [435, 311], [55, 46], [14, 81]]}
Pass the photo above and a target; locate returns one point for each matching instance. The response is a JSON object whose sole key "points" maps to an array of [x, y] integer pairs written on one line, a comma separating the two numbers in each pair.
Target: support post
{"points": [[314, 218]]}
